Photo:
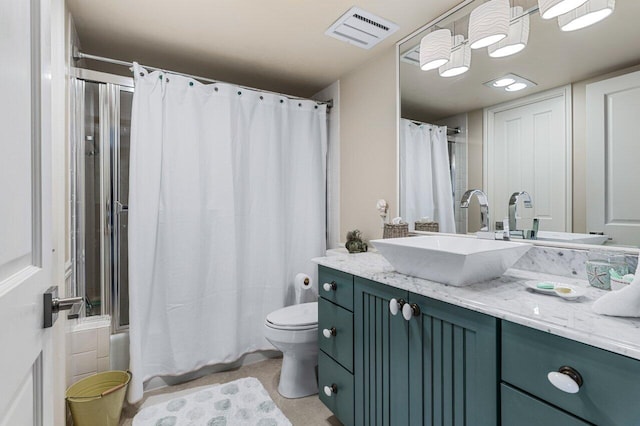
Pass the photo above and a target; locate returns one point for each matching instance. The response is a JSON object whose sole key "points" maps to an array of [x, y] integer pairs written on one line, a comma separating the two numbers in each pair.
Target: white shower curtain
{"points": [[425, 175], [227, 204]]}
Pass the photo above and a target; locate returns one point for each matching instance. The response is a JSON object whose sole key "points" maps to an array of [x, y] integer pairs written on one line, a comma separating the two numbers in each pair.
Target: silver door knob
{"points": [[53, 304]]}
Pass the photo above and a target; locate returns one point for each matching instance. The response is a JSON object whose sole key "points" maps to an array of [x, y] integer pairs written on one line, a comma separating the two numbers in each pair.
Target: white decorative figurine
{"points": [[382, 208]]}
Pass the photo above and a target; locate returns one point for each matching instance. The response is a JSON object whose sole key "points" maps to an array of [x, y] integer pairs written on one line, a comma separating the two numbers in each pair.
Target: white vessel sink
{"points": [[569, 237], [451, 260]]}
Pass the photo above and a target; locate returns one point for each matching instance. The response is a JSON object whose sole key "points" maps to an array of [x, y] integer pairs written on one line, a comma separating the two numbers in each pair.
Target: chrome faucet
{"points": [[484, 206], [513, 207]]}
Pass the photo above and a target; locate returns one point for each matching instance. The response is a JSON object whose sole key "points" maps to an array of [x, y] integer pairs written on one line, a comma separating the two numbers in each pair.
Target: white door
{"points": [[25, 222], [613, 150], [527, 147]]}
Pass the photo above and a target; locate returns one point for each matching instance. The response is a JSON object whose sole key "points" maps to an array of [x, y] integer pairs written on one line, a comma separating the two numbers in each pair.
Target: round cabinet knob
{"points": [[395, 305], [329, 332], [410, 310], [329, 286], [331, 390], [566, 379]]}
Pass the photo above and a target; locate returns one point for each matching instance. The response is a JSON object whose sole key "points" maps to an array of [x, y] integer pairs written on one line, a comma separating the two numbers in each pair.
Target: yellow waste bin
{"points": [[97, 400]]}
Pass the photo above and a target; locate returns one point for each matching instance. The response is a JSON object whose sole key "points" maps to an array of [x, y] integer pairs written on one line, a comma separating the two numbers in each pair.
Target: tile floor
{"points": [[307, 411]]}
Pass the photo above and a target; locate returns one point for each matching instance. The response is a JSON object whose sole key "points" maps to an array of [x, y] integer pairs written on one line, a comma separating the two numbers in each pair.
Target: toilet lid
{"points": [[303, 314]]}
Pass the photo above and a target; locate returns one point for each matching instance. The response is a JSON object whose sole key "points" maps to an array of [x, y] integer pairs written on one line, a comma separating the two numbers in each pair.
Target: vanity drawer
{"points": [[339, 346], [611, 382], [520, 409], [340, 288], [330, 373]]}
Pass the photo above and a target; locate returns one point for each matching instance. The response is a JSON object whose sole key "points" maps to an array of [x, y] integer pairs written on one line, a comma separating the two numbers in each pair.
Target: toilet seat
{"points": [[296, 317], [292, 327]]}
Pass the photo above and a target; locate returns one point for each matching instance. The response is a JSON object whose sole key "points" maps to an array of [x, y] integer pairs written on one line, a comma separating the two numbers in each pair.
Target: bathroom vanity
{"points": [[476, 355]]}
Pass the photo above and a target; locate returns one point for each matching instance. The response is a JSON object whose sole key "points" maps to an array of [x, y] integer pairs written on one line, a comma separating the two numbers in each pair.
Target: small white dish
{"points": [[564, 291]]}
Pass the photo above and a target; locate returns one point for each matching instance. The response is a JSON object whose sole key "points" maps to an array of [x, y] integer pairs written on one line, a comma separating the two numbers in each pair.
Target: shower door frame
{"points": [[109, 112]]}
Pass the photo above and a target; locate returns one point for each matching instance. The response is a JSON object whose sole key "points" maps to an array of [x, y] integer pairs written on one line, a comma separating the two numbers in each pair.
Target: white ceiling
{"points": [[277, 45], [551, 59]]}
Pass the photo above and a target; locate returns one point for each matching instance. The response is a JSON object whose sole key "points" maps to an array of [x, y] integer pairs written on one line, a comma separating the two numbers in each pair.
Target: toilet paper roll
{"points": [[304, 289]]}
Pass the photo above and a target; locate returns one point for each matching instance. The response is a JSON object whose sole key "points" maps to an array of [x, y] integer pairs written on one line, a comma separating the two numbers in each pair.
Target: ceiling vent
{"points": [[411, 56], [360, 28]]}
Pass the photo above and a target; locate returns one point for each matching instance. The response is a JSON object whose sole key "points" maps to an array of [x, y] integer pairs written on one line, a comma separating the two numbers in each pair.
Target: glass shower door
{"points": [[101, 126], [121, 210]]}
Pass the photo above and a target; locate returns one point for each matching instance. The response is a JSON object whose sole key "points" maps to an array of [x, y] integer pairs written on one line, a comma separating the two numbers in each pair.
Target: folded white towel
{"points": [[621, 303]]}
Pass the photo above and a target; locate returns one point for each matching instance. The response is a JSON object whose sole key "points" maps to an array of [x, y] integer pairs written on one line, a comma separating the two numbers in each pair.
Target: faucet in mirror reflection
{"points": [[484, 206], [529, 234]]}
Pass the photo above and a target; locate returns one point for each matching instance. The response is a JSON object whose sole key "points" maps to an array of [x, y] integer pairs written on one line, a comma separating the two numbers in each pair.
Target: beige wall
{"points": [[579, 95], [474, 167], [368, 169]]}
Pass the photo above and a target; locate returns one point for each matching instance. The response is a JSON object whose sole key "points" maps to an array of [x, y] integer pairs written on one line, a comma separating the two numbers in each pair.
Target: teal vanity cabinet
{"points": [[609, 391], [381, 356], [438, 367], [335, 340], [391, 357]]}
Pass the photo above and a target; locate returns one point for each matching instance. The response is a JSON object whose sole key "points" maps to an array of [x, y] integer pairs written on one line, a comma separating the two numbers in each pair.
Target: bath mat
{"points": [[242, 402]]}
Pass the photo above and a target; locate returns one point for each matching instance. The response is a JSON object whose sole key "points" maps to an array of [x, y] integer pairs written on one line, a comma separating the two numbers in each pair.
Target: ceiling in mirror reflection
{"points": [[552, 58]]}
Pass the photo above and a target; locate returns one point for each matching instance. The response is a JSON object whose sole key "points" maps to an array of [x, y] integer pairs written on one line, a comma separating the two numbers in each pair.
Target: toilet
{"points": [[293, 330]]}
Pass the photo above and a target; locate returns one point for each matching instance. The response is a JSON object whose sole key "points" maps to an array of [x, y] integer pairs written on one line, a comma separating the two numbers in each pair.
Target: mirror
{"points": [[567, 139]]}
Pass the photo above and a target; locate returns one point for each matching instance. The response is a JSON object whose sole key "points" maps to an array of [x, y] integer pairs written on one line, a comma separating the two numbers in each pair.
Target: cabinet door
{"points": [[453, 365], [380, 356], [520, 409]]}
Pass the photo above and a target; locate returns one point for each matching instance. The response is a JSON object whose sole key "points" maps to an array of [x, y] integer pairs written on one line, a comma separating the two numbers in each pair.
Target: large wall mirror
{"points": [[557, 120]]}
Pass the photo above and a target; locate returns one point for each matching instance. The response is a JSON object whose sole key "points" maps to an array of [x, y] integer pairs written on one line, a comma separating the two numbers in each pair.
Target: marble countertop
{"points": [[508, 298]]}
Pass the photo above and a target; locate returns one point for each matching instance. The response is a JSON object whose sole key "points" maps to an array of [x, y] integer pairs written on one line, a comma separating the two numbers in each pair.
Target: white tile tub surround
{"points": [[507, 298], [88, 349]]}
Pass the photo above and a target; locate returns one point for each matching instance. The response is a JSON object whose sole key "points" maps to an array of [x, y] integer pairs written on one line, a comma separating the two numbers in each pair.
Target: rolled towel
{"points": [[621, 303]]}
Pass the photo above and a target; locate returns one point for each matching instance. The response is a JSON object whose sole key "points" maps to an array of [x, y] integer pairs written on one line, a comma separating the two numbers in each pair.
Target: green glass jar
{"points": [[598, 265]]}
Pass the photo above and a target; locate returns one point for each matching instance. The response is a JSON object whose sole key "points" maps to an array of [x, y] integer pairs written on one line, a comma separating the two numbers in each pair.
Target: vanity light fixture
{"points": [[435, 49], [510, 83], [517, 38], [588, 14], [489, 23], [553, 8], [460, 60]]}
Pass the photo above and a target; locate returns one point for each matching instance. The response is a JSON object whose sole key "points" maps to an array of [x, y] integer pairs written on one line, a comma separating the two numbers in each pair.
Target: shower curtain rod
{"points": [[450, 130], [77, 55]]}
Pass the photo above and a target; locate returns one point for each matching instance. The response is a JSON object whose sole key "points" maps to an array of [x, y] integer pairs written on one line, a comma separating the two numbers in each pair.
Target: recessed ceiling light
{"points": [[515, 87], [503, 82], [510, 82]]}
